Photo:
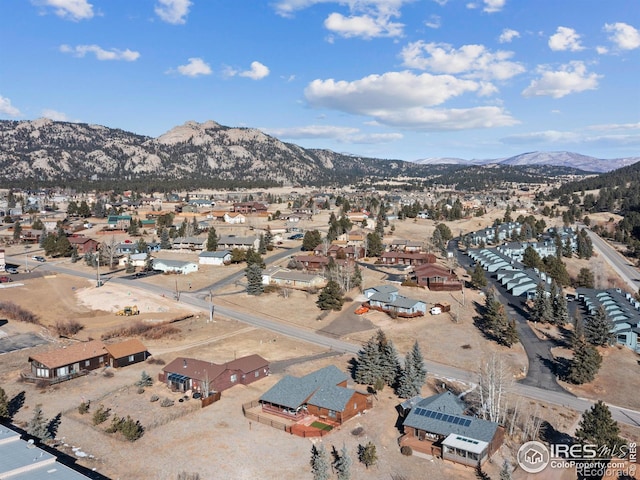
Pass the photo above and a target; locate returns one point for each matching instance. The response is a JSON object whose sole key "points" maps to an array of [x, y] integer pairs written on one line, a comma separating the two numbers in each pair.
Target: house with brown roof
{"points": [[249, 207], [126, 353], [183, 374], [436, 278], [84, 244], [407, 258], [68, 362]]}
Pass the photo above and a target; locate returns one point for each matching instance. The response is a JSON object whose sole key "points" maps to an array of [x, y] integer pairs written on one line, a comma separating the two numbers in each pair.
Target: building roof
{"points": [[464, 443], [171, 263], [443, 414], [383, 289], [247, 364], [231, 240], [286, 275], [126, 348], [216, 254], [404, 302], [70, 354], [200, 369], [332, 398], [291, 392]]}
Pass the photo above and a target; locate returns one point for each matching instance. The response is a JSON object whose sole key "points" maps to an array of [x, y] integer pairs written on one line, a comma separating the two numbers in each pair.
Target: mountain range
{"points": [[46, 151]]}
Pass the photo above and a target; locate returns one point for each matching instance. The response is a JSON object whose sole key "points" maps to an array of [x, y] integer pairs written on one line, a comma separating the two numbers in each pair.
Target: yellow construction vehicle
{"points": [[127, 311]]}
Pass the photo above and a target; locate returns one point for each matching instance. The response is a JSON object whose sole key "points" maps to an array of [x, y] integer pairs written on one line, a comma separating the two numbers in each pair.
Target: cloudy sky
{"points": [[403, 79]]}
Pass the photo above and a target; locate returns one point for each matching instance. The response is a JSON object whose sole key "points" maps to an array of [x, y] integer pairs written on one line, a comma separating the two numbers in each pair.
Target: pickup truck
{"points": [[5, 279]]}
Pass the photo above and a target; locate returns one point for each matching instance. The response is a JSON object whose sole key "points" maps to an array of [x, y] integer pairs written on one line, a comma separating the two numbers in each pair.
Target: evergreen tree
{"points": [[262, 245], [254, 257], [141, 246], [319, 463], [330, 297], [37, 426], [238, 255], [478, 278], [212, 240], [597, 427], [182, 230], [17, 231], [531, 258], [74, 255], [129, 268], [311, 239], [420, 370], [342, 464], [389, 364], [165, 241], [559, 306], [4, 405], [585, 363], [195, 226], [367, 454], [356, 278], [254, 279], [133, 228], [578, 329], [268, 239], [63, 245], [406, 387], [509, 336], [598, 329], [375, 248], [83, 210], [584, 245], [542, 309], [505, 471], [368, 366], [585, 278]]}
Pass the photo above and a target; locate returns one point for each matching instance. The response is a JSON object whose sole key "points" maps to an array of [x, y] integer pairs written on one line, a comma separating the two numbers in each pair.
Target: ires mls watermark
{"points": [[588, 460]]}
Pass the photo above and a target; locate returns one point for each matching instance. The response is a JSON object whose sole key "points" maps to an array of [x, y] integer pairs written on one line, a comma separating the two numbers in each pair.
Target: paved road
{"points": [[628, 273], [562, 398]]}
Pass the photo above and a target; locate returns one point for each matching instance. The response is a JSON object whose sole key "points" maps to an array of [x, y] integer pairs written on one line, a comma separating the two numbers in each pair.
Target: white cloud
{"points": [[364, 26], [173, 11], [624, 36], [624, 135], [195, 68], [101, 53], [508, 35], [69, 9], [492, 6], [546, 137], [474, 61], [341, 134], [257, 72], [442, 3], [434, 21], [570, 78], [602, 50], [402, 99], [565, 38], [55, 115], [7, 109]]}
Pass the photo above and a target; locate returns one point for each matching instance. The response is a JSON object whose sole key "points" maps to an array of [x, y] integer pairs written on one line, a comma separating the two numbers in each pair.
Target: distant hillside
{"points": [[559, 159], [193, 155]]}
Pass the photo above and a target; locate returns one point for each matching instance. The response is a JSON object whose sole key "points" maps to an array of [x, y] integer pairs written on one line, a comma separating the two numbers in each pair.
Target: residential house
{"points": [[399, 245], [69, 361], [385, 298], [407, 258], [436, 278], [229, 242], [312, 262], [234, 218], [174, 266], [189, 244], [323, 393], [284, 277], [249, 207], [220, 257], [183, 374], [118, 222], [340, 250], [126, 353], [438, 426], [84, 244], [136, 259]]}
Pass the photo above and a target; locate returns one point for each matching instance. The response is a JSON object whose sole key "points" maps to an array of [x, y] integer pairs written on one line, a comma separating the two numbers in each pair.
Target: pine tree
{"points": [[559, 307], [254, 279], [367, 454], [597, 329], [342, 464], [356, 278], [319, 463], [374, 245], [368, 368], [37, 426], [4, 405], [420, 370], [578, 329], [212, 240], [330, 298], [542, 310], [389, 364], [598, 427], [478, 278], [505, 471], [165, 242], [254, 257], [585, 278], [406, 379], [531, 258], [585, 363], [509, 336], [262, 245]]}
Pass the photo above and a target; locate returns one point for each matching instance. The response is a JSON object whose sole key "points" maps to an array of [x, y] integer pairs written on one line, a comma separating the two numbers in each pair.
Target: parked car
{"points": [[39, 258], [11, 270], [5, 279], [297, 236]]}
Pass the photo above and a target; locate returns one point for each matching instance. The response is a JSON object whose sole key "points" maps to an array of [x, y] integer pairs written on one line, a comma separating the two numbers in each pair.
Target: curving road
{"points": [[623, 415]]}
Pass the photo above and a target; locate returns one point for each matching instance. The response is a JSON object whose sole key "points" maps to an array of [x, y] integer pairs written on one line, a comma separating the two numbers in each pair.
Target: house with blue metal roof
{"points": [[323, 393], [438, 426]]}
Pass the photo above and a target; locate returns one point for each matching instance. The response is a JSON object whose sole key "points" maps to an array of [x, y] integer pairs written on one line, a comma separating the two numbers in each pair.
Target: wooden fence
{"points": [[214, 397]]}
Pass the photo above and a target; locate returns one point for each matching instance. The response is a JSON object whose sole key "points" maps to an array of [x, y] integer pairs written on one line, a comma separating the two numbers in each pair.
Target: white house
{"points": [[137, 259], [221, 257], [234, 218], [174, 266]]}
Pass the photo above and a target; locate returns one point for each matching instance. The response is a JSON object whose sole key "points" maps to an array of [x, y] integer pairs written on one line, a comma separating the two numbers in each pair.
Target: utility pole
{"points": [[211, 308], [98, 282]]}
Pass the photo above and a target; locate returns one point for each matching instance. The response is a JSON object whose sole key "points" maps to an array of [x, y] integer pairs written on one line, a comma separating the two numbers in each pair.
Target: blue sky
{"points": [[402, 79]]}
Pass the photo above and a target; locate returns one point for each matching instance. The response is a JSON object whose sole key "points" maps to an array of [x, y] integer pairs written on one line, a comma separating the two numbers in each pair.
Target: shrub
{"points": [[166, 402], [130, 429], [466, 346], [108, 373], [406, 450], [68, 328], [101, 415], [154, 398], [145, 380], [140, 390], [11, 310], [84, 407]]}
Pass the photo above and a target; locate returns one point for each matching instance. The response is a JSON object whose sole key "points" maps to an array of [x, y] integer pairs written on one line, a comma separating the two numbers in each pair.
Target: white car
{"points": [[39, 258]]}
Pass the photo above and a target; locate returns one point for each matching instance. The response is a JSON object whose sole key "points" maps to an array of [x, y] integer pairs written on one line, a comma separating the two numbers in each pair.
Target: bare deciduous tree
{"points": [[494, 383]]}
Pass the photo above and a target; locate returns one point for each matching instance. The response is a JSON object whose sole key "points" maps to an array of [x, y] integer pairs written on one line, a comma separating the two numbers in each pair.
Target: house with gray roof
{"points": [[219, 257], [283, 277], [323, 394], [385, 298], [174, 266], [438, 426]]}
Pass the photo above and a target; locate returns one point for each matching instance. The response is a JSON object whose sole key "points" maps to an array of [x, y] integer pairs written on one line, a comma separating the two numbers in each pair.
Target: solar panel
{"points": [[432, 414], [466, 423], [419, 411], [456, 420], [445, 418], [438, 416]]}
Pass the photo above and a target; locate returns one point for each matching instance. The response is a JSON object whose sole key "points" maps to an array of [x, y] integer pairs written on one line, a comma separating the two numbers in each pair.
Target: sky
{"points": [[393, 79]]}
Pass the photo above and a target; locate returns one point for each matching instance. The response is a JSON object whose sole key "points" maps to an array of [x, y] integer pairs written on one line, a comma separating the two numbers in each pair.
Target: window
{"points": [[131, 358], [234, 378], [355, 406], [87, 363], [101, 359], [332, 413], [257, 373]]}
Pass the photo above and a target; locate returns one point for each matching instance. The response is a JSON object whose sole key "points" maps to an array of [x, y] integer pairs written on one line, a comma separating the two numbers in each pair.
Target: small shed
{"points": [[444, 306], [126, 353]]}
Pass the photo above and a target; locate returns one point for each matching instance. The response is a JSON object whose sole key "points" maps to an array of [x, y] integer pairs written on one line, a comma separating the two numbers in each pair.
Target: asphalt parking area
{"points": [[10, 343]]}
